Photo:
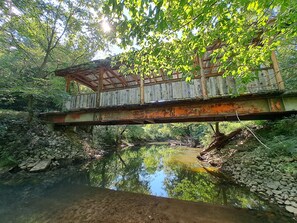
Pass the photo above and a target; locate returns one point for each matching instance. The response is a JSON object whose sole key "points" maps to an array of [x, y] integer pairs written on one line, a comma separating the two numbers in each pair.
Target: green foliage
{"points": [[40, 36], [168, 34], [287, 56], [279, 136], [6, 160]]}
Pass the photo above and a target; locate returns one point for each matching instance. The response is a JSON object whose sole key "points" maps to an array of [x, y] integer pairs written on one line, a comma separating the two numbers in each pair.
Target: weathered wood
{"points": [[278, 76], [141, 88], [220, 140], [203, 80], [68, 80], [100, 86]]}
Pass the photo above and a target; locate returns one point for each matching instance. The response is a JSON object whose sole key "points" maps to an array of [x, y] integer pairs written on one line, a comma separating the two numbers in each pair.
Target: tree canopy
{"points": [[39, 36], [169, 34]]}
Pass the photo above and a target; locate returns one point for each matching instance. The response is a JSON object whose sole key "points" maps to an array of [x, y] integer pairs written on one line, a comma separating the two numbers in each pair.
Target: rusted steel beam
{"points": [[248, 108]]}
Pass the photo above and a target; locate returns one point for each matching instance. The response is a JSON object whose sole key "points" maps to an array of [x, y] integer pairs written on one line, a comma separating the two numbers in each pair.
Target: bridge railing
{"points": [[216, 86]]}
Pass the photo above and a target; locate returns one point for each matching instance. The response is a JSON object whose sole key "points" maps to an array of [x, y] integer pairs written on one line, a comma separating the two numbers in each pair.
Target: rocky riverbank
{"points": [[271, 172], [36, 147], [266, 177]]}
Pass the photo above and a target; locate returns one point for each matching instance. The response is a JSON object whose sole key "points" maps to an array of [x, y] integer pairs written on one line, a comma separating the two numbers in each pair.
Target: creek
{"points": [[133, 185]]}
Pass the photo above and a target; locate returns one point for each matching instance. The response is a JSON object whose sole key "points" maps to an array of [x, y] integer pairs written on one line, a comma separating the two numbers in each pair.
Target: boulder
{"points": [[41, 165], [291, 209]]}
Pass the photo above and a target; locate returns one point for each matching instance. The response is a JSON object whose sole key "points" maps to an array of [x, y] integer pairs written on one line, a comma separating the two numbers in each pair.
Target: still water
{"points": [[100, 191]]}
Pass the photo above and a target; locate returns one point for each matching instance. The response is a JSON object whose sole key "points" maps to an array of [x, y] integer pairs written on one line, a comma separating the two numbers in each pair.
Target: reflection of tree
{"points": [[121, 171], [193, 186], [132, 170]]}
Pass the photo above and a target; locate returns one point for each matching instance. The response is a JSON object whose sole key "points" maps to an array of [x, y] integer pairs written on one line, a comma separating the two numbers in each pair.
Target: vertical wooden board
{"points": [[127, 97], [115, 103], [179, 89], [71, 102], [169, 90], [111, 98], [231, 85], [158, 92], [77, 102], [184, 88], [86, 100], [137, 96], [162, 91], [191, 90], [82, 101], [119, 95], [132, 96], [208, 87], [137, 99], [220, 83], [73, 99], [188, 89], [103, 99], [91, 100], [147, 94], [197, 88], [174, 94], [272, 79], [262, 83], [95, 99], [212, 84], [153, 93], [267, 79]]}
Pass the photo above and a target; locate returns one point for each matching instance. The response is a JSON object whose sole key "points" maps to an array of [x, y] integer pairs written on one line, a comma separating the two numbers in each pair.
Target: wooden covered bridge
{"points": [[130, 99]]}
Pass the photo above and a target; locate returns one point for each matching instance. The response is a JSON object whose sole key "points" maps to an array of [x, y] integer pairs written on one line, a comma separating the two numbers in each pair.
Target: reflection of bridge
{"points": [[129, 99]]}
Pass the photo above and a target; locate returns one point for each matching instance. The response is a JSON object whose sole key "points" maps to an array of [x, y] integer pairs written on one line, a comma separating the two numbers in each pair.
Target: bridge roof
{"points": [[88, 74]]}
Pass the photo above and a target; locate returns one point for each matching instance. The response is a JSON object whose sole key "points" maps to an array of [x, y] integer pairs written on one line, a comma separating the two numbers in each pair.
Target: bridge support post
{"points": [[278, 76], [100, 86], [68, 80], [203, 80]]}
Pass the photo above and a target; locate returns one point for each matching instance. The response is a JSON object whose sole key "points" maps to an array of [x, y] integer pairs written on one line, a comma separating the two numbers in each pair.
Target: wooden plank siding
{"points": [[216, 86]]}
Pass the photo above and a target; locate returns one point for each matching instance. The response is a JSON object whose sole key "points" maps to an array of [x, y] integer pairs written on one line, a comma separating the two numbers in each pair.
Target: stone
{"points": [[41, 165], [276, 191], [291, 209], [4, 170], [273, 185]]}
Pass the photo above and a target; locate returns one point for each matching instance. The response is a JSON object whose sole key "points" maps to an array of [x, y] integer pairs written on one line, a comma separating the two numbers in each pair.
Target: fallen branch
{"points": [[219, 141]]}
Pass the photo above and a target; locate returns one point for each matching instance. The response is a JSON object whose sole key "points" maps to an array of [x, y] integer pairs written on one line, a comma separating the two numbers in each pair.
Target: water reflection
{"points": [[168, 172], [69, 195]]}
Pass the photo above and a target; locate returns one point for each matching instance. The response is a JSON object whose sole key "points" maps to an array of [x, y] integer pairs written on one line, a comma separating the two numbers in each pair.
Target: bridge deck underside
{"points": [[247, 107]]}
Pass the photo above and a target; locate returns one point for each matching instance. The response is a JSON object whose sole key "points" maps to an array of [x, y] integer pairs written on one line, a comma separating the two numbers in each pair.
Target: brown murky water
{"points": [[183, 192]]}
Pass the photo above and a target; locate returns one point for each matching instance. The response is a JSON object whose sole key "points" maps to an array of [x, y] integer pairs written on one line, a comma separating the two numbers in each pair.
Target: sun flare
{"points": [[105, 26]]}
